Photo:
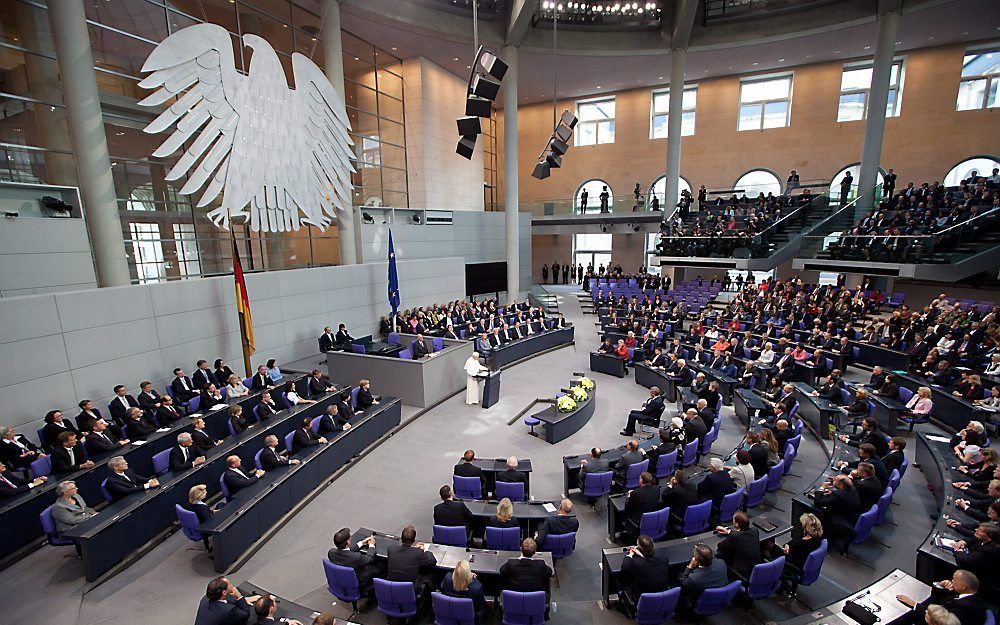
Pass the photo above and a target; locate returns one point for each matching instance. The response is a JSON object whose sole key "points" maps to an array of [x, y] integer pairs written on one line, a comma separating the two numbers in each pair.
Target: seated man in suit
{"points": [[317, 386], [511, 474], [235, 478], [894, 459], [594, 464], [69, 455], [740, 549], [16, 451], [561, 523], [349, 554], [843, 507], [419, 348], [224, 605], [344, 338], [871, 434], [525, 574], [203, 376], [650, 412], [123, 481], [704, 571], [267, 407], [271, 458], [121, 403], [468, 468], [694, 426], [705, 412], [631, 456], [102, 440], [137, 428], [305, 437], [185, 455], [408, 561], [679, 496], [182, 387], [452, 513], [333, 421], [327, 340], [639, 501], [867, 485], [642, 572], [11, 484], [261, 380], [168, 414], [200, 436], [959, 595], [717, 484]]}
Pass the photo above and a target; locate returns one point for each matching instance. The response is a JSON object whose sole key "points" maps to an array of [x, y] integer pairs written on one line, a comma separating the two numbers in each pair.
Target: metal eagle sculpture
{"points": [[280, 157]]}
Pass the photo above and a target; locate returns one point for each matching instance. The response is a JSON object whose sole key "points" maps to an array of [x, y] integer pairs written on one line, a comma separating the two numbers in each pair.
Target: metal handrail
{"points": [[879, 235]]}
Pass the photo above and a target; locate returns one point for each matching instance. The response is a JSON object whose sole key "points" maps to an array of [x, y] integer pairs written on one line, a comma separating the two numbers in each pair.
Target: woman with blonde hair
{"points": [[235, 387], [462, 583], [196, 503], [236, 421], [803, 543], [504, 516], [939, 615], [767, 437]]}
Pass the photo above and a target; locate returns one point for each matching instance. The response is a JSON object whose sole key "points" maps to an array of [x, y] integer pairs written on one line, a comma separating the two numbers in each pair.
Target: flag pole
{"points": [[242, 298]]}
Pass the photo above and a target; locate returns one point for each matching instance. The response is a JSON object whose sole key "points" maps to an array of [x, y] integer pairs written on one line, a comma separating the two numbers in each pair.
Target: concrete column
{"points": [[510, 191], [878, 97], [93, 163], [333, 62], [675, 112]]}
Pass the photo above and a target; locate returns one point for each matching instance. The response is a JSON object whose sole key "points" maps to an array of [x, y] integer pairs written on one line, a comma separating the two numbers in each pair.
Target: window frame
{"points": [[991, 79], [749, 80], [899, 62], [653, 114], [581, 124]]}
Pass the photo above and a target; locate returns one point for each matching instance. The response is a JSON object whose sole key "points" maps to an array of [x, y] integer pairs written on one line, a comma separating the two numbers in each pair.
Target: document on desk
{"points": [[163, 430], [938, 439], [138, 443], [548, 507]]}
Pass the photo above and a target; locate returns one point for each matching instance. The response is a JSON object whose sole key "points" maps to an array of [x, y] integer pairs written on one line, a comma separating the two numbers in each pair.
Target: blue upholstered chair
{"points": [[455, 535], [511, 490], [503, 538], [523, 608], [342, 582], [765, 578], [396, 599], [467, 487]]}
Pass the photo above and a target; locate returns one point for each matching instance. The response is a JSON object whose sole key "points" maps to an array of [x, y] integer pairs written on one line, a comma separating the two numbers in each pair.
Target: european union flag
{"points": [[393, 280]]}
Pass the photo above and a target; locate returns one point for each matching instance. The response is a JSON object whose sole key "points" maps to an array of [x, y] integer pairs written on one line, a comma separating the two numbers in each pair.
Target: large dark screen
{"points": [[485, 278]]}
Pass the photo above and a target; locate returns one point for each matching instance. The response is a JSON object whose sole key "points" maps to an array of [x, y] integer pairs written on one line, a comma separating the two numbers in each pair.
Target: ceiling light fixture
{"points": [[482, 89]]}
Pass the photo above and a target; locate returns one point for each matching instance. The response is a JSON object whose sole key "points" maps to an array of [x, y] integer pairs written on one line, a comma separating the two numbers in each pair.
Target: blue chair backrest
{"points": [[813, 564], [755, 492], [665, 464], [597, 484], [468, 487], [49, 527], [829, 363], [902, 467], [104, 491], [905, 394], [189, 523], [715, 600], [863, 526], [523, 608], [161, 462], [653, 608], [40, 467], [452, 610], [654, 524], [354, 397], [313, 425], [894, 479], [690, 454], [512, 490], [883, 505], [561, 545], [256, 459], [438, 344], [706, 445], [845, 396], [730, 504], [223, 487], [450, 535], [765, 578], [396, 599], [774, 476], [319, 342], [632, 476], [224, 390], [41, 436], [288, 441], [990, 619], [392, 338], [795, 441], [503, 538], [357, 349], [794, 411], [696, 518], [405, 355], [342, 582]]}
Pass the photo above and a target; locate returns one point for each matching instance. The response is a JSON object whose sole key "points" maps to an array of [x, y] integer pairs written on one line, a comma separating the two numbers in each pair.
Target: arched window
{"points": [[658, 189], [982, 165], [855, 170], [591, 203], [758, 181]]}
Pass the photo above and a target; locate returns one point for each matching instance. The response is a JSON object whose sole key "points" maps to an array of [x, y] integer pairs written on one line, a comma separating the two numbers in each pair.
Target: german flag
{"points": [[243, 306]]}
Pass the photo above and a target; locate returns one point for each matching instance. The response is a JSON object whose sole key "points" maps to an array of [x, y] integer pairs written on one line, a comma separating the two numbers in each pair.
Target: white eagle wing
{"points": [[200, 59], [323, 174]]}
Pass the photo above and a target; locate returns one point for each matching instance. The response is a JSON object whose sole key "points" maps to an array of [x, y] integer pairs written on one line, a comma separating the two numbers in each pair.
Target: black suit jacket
{"points": [[467, 469], [61, 462], [118, 409], [271, 458], [148, 401], [304, 437], [695, 429], [642, 500], [202, 378], [843, 507], [120, 486], [344, 338], [363, 563], [101, 443], [202, 440], [758, 460], [265, 411], [893, 460], [236, 482], [260, 381], [181, 393], [17, 485], [741, 551], [317, 386], [365, 399], [51, 432], [452, 513], [327, 342], [419, 349], [166, 415], [10, 454], [177, 462], [512, 476], [640, 575], [715, 486], [138, 429], [555, 525], [970, 610], [85, 421], [525, 575], [229, 612], [408, 563], [679, 498]]}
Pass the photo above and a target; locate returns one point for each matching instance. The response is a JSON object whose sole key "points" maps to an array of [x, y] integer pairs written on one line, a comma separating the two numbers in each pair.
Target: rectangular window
{"points": [[855, 91], [597, 122], [187, 250], [147, 251], [765, 102], [651, 239], [660, 112], [980, 77]]}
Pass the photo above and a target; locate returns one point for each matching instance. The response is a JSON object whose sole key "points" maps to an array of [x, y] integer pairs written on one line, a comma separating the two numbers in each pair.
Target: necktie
{"points": [[124, 402], [184, 384], [125, 475], [185, 452], [72, 457], [102, 435]]}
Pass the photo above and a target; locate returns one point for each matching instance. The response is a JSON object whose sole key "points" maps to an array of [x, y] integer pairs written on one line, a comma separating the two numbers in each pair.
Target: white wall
{"points": [[60, 348], [436, 176]]}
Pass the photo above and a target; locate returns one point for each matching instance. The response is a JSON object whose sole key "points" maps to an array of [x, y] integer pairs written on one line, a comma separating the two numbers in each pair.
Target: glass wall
{"points": [[166, 236]]}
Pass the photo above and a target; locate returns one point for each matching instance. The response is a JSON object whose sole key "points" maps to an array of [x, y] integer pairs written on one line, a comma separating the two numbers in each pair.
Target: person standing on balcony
{"points": [[845, 187], [545, 273], [583, 201], [605, 196], [792, 183]]}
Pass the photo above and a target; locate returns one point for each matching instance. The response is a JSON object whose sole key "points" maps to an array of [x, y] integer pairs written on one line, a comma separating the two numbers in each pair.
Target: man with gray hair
{"points": [[717, 484], [958, 595], [70, 509], [271, 458], [186, 454], [16, 451], [123, 481], [511, 474]]}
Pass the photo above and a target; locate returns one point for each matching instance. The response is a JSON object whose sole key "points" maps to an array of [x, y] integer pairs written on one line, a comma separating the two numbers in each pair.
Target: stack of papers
{"points": [[938, 439], [548, 507]]}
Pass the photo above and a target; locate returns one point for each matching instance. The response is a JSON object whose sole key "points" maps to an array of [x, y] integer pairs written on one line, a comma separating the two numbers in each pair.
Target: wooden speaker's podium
{"points": [[491, 388]]}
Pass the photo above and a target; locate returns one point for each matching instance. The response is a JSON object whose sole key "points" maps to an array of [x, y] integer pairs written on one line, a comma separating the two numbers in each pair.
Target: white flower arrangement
{"points": [[565, 404], [586, 383], [579, 394]]}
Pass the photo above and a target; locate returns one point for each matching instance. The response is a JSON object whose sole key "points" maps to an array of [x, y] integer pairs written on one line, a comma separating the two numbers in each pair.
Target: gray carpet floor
{"points": [[396, 485]]}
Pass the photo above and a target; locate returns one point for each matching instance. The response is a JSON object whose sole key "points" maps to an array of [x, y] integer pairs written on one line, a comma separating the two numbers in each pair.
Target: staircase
{"points": [[543, 299]]}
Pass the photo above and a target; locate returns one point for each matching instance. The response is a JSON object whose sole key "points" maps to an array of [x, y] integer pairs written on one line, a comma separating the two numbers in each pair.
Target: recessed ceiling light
{"points": [[965, 32], [781, 60], [868, 47], [660, 78], [355, 58], [755, 63], [836, 51], [468, 67], [394, 49], [455, 59], [598, 86], [809, 56]]}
